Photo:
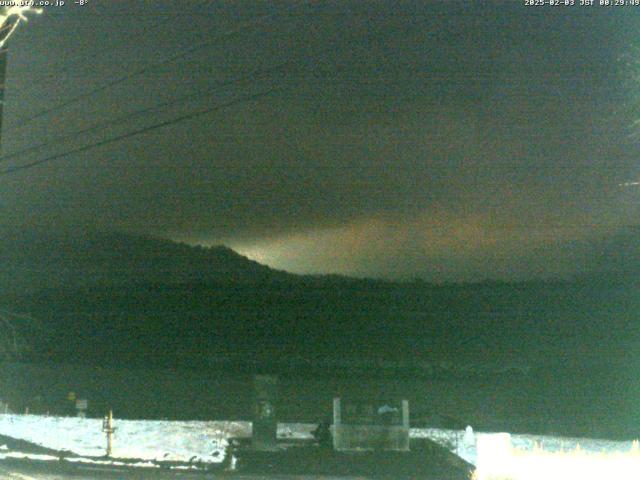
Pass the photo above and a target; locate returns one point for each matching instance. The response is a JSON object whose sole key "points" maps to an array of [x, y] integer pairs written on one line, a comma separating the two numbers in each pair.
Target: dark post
{"points": [[265, 422], [3, 69]]}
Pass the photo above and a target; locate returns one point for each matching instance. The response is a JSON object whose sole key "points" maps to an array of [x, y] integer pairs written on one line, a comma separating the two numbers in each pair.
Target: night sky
{"points": [[441, 140]]}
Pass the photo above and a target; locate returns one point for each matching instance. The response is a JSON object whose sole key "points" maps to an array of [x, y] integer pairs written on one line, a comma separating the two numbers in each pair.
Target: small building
{"points": [[361, 425]]}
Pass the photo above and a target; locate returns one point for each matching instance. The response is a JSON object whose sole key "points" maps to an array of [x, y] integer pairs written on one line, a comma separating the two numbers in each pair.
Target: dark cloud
{"points": [[446, 140]]}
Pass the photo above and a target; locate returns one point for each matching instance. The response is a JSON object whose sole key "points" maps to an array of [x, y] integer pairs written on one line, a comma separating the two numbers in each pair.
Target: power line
{"points": [[66, 65], [146, 68], [110, 140], [139, 113], [134, 133], [132, 115]]}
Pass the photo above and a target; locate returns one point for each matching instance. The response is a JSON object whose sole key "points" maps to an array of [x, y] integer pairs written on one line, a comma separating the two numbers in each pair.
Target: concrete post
{"points": [[337, 423], [265, 421], [405, 413], [107, 427]]}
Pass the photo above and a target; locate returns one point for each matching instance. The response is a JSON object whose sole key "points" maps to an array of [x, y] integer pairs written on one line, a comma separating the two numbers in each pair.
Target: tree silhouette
{"points": [[16, 334]]}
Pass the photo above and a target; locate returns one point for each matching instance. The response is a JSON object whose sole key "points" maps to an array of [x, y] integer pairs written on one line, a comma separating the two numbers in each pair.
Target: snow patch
{"points": [[141, 439]]}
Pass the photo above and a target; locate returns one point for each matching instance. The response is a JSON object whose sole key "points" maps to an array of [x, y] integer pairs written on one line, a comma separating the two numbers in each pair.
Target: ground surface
{"points": [[31, 447], [30, 472], [206, 441]]}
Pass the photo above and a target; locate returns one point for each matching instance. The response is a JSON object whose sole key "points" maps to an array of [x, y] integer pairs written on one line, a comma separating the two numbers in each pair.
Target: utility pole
{"points": [[108, 429], [3, 70], [10, 18], [5, 28]]}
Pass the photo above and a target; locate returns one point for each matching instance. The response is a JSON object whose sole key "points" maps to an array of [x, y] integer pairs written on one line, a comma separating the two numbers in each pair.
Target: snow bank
{"points": [[465, 443], [499, 459], [198, 441], [191, 441], [147, 440]]}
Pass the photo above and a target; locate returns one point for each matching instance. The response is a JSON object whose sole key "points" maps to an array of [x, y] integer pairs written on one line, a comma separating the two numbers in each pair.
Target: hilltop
{"points": [[141, 299]]}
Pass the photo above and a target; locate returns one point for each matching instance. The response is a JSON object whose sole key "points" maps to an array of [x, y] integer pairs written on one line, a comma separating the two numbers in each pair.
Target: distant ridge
{"points": [[38, 260], [138, 299]]}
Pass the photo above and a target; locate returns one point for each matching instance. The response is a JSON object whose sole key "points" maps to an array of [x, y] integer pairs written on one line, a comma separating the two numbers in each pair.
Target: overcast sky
{"points": [[442, 140]]}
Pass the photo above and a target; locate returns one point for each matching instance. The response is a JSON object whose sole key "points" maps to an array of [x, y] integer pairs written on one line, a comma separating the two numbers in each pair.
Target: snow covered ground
{"points": [[200, 441], [465, 444], [157, 440], [501, 456]]}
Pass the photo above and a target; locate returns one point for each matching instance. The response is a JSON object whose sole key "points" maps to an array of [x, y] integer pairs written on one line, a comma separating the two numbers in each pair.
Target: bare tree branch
{"points": [[14, 330]]}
